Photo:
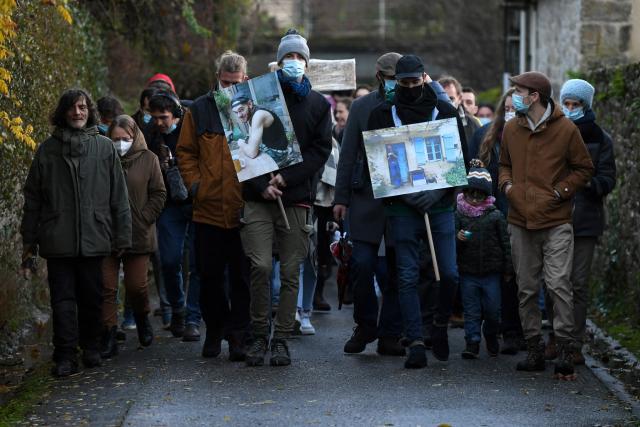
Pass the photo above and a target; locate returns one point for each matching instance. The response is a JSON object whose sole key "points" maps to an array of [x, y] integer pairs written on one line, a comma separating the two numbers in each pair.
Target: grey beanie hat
{"points": [[579, 90], [293, 42]]}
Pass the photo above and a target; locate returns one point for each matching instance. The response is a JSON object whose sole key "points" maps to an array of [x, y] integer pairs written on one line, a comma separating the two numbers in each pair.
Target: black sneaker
{"points": [[510, 344], [471, 351], [440, 342], [64, 368], [417, 358], [91, 358], [257, 350], [390, 346], [493, 346], [535, 356], [279, 353], [564, 365], [359, 340]]}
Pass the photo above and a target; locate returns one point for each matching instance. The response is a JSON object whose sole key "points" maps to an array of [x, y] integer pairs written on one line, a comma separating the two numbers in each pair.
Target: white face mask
{"points": [[509, 115], [122, 146]]}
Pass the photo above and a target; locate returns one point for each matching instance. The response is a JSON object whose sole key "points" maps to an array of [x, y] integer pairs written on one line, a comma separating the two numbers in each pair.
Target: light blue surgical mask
{"points": [[573, 115], [171, 129], [293, 68], [484, 120], [518, 103], [389, 89], [103, 128], [146, 118], [509, 115]]}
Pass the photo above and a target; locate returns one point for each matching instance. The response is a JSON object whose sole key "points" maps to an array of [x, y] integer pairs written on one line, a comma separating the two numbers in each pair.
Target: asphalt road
{"points": [[169, 384]]}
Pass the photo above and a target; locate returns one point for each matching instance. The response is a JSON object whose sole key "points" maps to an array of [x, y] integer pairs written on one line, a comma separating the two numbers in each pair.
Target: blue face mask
{"points": [[293, 68], [171, 129], [575, 114], [389, 89], [484, 120], [146, 118], [518, 103], [103, 128]]}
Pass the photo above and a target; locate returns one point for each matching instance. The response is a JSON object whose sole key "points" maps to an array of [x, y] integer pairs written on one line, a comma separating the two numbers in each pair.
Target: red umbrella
{"points": [[341, 250]]}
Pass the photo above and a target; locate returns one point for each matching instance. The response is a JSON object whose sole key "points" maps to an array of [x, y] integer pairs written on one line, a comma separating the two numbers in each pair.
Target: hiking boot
{"points": [[493, 346], [257, 350], [279, 353], [91, 359], [177, 323], [471, 351], [550, 350], [578, 358], [535, 356], [64, 368], [359, 340], [145, 331], [390, 346], [191, 333], [320, 304], [108, 343], [212, 344], [237, 349], [417, 358], [510, 344], [440, 343], [563, 368], [306, 328]]}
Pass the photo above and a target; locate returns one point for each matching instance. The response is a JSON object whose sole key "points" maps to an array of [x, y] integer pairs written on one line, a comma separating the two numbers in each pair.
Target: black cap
{"points": [[409, 66]]}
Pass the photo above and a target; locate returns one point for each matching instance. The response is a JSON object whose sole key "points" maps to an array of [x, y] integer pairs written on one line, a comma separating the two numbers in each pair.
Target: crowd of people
{"points": [[158, 190]]}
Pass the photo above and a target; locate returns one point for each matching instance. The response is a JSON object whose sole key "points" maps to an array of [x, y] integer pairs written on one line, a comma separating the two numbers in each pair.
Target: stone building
{"points": [[557, 37]]}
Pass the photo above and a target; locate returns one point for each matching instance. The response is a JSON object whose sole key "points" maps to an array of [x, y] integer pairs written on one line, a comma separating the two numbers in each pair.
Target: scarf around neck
{"points": [[415, 111], [290, 84], [466, 209]]}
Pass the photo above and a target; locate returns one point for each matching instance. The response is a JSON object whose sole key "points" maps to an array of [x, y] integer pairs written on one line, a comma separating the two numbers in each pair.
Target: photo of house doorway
{"points": [[398, 164]]}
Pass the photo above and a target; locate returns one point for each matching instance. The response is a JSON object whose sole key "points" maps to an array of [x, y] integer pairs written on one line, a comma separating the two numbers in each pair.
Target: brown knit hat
{"points": [[535, 81]]}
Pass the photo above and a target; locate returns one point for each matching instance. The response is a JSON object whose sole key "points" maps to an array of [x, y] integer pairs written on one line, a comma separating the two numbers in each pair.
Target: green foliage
{"points": [[28, 394], [189, 15], [490, 96], [49, 56], [576, 74], [457, 175]]}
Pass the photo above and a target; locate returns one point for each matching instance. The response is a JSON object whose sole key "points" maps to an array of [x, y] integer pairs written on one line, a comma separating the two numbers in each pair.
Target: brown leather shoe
{"points": [[578, 358]]}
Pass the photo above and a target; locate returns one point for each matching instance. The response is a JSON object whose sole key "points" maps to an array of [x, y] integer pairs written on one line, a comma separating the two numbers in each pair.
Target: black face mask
{"points": [[409, 95]]}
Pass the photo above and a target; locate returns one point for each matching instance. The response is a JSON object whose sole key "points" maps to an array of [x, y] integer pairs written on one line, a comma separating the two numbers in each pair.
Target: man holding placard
{"points": [[294, 185], [415, 102], [209, 173]]}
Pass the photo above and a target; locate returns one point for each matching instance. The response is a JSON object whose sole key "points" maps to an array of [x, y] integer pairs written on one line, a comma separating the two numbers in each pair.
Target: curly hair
{"points": [[67, 101]]}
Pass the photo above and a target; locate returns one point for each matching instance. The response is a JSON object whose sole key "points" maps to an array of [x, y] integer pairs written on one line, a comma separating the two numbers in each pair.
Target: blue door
{"points": [[450, 148], [398, 165]]}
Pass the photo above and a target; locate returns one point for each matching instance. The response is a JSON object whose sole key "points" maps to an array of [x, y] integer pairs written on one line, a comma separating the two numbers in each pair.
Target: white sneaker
{"points": [[306, 328]]}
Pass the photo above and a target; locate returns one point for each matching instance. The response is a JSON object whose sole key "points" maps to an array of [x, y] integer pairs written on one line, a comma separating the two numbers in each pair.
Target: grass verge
{"points": [[28, 394]]}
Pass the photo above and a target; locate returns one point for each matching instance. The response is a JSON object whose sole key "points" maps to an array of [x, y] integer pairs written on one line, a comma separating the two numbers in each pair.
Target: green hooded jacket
{"points": [[75, 197]]}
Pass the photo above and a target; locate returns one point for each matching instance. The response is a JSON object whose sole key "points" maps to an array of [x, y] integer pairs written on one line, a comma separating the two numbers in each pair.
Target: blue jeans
{"points": [[481, 300], [407, 234], [365, 262], [193, 291], [275, 282], [307, 285], [439, 296], [172, 227]]}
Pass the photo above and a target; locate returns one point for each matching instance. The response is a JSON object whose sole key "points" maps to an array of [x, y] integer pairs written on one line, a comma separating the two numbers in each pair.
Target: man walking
{"points": [[543, 163], [207, 169], [311, 119], [76, 211]]}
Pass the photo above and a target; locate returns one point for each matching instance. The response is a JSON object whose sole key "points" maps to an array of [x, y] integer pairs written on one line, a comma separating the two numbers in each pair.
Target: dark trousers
{"points": [[509, 306], [224, 311], [75, 286], [364, 263]]}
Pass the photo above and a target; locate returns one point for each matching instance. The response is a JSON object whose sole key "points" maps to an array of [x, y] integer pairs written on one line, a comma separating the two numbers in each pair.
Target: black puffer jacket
{"points": [[588, 214], [488, 250]]}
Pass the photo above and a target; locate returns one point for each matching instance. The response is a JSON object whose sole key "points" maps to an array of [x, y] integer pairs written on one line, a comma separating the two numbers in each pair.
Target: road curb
{"points": [[616, 367]]}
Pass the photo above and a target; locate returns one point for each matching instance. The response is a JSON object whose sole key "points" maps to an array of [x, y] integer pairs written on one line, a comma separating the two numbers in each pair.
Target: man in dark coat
{"points": [[76, 210], [416, 102]]}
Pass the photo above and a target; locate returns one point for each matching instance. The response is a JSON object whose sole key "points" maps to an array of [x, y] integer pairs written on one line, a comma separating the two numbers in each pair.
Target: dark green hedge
{"points": [[616, 268]]}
